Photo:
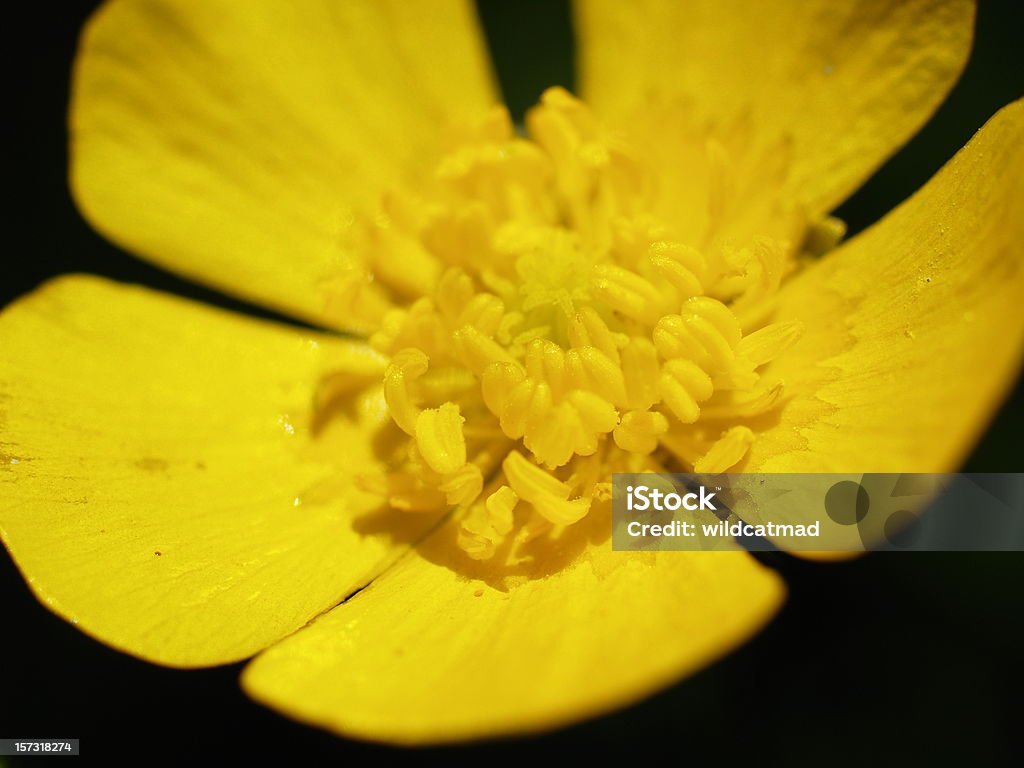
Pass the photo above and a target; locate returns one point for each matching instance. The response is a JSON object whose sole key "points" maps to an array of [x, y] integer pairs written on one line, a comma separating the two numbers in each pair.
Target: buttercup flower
{"points": [[408, 524]]}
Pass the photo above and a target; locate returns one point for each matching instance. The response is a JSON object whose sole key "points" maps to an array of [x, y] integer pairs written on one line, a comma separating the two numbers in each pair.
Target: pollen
{"points": [[547, 324]]}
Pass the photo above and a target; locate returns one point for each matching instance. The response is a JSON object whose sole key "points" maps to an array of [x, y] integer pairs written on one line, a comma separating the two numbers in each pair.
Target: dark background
{"points": [[890, 658]]}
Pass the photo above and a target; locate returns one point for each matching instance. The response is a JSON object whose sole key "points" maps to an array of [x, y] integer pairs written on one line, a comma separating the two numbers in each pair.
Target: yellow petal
{"points": [[231, 141], [161, 486], [445, 648], [914, 330], [841, 83]]}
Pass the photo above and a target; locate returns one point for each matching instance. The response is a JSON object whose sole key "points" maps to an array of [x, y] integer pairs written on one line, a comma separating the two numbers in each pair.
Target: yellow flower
{"points": [[410, 525]]}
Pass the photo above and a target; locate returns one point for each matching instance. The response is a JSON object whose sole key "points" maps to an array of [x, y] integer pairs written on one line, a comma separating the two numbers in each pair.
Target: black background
{"points": [[889, 658]]}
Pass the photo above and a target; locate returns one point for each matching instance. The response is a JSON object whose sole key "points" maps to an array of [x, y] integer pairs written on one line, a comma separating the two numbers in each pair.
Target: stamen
{"points": [[639, 431], [824, 235], [766, 344], [407, 366], [727, 452], [439, 438], [549, 496], [546, 324], [682, 385]]}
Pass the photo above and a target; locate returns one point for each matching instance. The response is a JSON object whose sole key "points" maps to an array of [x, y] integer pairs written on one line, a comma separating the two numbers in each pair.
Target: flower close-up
{"points": [[392, 493]]}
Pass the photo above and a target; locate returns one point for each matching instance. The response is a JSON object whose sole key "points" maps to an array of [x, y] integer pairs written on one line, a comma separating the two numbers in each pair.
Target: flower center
{"points": [[546, 326]]}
